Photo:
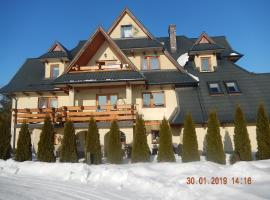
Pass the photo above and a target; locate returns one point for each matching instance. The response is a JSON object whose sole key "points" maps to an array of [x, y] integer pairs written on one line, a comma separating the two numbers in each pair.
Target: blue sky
{"points": [[29, 27]]}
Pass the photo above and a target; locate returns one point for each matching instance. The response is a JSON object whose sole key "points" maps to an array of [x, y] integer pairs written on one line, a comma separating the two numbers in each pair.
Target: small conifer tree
{"points": [[68, 147], [115, 155], [242, 147], [263, 134], [24, 152], [46, 142], [140, 149], [214, 146], [93, 144], [190, 150], [5, 138], [165, 151]]}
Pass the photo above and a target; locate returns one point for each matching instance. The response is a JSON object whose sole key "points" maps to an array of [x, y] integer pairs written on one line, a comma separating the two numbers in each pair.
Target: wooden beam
{"points": [[26, 94], [40, 93]]}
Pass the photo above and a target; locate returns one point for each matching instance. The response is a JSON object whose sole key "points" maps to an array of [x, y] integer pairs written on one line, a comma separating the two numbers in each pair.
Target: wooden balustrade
{"points": [[76, 113]]}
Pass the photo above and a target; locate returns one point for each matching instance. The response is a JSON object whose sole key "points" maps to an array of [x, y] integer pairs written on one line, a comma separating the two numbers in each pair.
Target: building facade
{"points": [[126, 70]]}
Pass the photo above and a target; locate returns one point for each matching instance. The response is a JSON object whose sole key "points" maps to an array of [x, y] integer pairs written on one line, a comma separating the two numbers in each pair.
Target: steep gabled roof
{"points": [[29, 78], [59, 45], [206, 37], [205, 43], [61, 52], [100, 77], [254, 90], [127, 11], [91, 46]]}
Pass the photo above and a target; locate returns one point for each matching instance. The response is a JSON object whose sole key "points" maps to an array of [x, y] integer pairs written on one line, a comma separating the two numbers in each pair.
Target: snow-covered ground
{"points": [[36, 180]]}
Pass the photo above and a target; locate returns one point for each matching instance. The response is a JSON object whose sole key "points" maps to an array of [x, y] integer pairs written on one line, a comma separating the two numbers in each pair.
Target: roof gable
{"points": [[204, 39], [91, 47], [57, 46], [126, 18]]}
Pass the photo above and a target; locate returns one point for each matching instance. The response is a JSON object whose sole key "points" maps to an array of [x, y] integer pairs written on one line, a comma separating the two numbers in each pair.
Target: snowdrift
{"points": [[164, 180]]}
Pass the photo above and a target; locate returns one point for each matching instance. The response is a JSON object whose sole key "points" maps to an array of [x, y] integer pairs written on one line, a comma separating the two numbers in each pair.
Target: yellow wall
{"points": [[48, 69], [213, 60], [88, 97], [31, 101], [127, 20], [100, 54], [165, 63], [155, 113]]}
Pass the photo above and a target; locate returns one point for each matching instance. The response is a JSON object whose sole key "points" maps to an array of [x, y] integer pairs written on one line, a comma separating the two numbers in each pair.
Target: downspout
{"points": [[201, 103]]}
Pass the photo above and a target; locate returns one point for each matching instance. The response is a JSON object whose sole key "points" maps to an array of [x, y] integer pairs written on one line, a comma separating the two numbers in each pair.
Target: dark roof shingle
{"points": [[95, 77]]}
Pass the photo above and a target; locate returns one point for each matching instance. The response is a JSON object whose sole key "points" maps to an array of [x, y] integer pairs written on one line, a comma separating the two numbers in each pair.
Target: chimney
{"points": [[172, 35]]}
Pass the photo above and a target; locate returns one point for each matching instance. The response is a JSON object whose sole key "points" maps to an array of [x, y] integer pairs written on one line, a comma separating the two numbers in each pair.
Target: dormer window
{"points": [[54, 71], [205, 64], [126, 31], [232, 87]]}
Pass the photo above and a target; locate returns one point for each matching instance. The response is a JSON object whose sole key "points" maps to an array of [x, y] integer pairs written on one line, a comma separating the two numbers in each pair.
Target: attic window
{"points": [[214, 88], [126, 31], [150, 63], [205, 64], [232, 87]]}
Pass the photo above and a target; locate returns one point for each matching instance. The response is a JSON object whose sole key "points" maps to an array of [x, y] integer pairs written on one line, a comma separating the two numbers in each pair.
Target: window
{"points": [[146, 100], [54, 71], [106, 99], [153, 100], [232, 87], [150, 63], [214, 88], [205, 64], [126, 31], [47, 102]]}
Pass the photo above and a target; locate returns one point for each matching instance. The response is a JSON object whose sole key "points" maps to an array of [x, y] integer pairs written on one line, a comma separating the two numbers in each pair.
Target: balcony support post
{"points": [[71, 96], [128, 94]]}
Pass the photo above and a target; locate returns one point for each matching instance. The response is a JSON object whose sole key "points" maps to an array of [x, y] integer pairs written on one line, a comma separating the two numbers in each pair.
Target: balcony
{"points": [[76, 114]]}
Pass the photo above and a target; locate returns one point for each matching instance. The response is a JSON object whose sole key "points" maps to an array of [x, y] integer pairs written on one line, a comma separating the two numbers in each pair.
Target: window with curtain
{"points": [[232, 87], [205, 64], [47, 102], [54, 71], [150, 63], [214, 88], [126, 31], [153, 99]]}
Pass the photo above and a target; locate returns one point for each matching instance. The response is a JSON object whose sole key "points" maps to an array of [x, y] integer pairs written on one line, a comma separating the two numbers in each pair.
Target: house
{"points": [[126, 70]]}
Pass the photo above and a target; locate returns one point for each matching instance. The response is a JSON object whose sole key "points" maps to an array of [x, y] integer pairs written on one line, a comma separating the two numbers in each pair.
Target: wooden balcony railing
{"points": [[76, 113]]}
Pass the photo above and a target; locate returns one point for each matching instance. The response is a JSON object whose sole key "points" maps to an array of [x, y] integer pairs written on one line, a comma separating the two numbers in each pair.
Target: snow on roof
{"points": [[182, 60], [195, 77], [234, 54]]}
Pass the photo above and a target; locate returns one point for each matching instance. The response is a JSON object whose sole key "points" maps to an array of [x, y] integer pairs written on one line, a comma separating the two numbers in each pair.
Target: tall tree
{"points": [[114, 146], [5, 138], [46, 142], [93, 144], [140, 149], [5, 119], [24, 152], [214, 146], [68, 146], [263, 134], [165, 151], [190, 150], [242, 147]]}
